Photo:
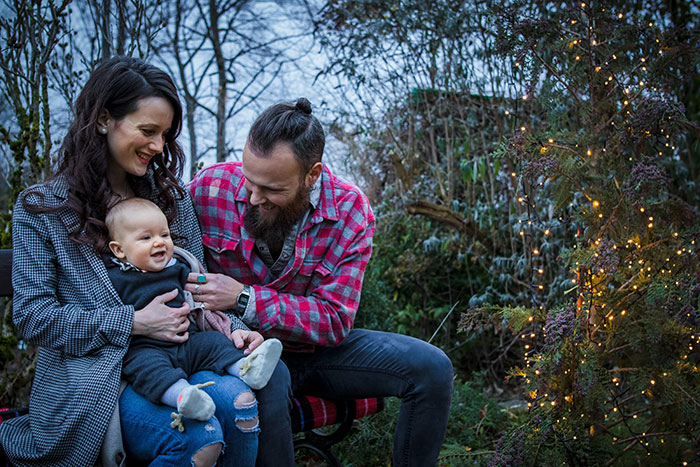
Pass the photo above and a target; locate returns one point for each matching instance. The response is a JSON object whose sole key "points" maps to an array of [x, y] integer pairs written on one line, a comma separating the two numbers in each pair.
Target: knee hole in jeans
{"points": [[243, 401], [207, 456]]}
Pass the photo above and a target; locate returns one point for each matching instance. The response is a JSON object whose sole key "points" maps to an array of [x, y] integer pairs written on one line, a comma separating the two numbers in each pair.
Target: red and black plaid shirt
{"points": [[315, 298]]}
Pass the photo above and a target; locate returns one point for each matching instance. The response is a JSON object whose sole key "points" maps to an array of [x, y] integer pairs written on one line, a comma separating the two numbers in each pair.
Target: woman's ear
{"points": [[103, 119], [117, 250]]}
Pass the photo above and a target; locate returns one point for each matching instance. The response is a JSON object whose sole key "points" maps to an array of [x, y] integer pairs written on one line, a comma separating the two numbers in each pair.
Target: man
{"points": [[288, 244]]}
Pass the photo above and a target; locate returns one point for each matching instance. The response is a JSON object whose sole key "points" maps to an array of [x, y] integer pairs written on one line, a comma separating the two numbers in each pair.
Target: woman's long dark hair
{"points": [[116, 85]]}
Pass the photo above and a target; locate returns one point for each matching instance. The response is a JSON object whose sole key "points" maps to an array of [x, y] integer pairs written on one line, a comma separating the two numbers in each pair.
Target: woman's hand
{"points": [[159, 321], [214, 291], [251, 338]]}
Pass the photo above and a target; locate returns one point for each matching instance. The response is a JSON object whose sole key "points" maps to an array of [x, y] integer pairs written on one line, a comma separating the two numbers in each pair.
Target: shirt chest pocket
{"points": [[215, 245], [224, 255], [310, 277]]}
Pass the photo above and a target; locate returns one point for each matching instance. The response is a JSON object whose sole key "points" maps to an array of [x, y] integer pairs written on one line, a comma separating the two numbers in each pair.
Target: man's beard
{"points": [[273, 228]]}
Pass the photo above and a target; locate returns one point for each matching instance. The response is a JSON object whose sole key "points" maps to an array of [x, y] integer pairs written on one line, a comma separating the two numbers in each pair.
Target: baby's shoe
{"points": [[259, 365], [193, 403]]}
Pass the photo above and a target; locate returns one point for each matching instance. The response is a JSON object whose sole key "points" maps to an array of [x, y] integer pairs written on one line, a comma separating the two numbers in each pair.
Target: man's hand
{"points": [[251, 338], [159, 321], [214, 291]]}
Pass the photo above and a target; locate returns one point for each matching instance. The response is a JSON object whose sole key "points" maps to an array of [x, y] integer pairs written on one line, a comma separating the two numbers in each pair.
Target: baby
{"points": [[144, 267]]}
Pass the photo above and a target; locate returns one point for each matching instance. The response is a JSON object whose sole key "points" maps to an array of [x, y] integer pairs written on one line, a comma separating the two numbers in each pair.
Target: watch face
{"points": [[243, 299]]}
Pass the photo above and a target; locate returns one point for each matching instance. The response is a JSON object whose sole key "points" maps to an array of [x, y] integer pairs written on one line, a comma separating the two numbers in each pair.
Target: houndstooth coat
{"points": [[64, 302]]}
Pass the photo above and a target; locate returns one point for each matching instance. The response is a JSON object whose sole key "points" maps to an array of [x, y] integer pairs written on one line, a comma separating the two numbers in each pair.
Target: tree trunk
{"points": [[221, 91]]}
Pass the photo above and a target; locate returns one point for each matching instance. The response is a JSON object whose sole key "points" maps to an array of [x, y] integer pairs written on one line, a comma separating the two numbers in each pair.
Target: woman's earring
{"points": [[103, 130]]}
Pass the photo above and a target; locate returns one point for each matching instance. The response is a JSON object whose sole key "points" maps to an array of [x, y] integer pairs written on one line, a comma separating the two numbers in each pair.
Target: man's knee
{"points": [[280, 377], [278, 391], [435, 369]]}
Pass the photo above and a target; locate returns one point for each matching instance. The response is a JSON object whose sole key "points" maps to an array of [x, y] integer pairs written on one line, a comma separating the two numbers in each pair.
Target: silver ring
{"points": [[196, 288]]}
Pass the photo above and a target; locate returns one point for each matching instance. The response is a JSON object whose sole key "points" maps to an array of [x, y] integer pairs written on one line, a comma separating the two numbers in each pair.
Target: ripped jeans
{"points": [[149, 439]]}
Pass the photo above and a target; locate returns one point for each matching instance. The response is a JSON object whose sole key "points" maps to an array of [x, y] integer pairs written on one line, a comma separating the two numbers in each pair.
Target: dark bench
{"points": [[309, 413]]}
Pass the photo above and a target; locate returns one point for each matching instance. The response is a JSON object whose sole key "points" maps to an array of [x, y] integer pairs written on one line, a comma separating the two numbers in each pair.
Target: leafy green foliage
{"points": [[476, 422], [557, 192], [610, 368]]}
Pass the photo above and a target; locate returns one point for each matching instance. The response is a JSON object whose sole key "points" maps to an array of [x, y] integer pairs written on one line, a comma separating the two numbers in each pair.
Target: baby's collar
{"points": [[127, 266]]}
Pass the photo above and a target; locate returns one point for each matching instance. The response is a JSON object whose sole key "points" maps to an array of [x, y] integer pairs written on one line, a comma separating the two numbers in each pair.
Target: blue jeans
{"points": [[149, 439], [366, 364]]}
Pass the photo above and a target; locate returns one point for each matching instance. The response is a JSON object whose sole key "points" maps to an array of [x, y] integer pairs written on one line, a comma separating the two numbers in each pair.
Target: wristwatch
{"points": [[242, 300]]}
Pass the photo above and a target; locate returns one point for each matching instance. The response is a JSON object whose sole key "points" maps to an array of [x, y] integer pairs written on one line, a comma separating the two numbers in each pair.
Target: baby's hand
{"points": [[251, 338]]}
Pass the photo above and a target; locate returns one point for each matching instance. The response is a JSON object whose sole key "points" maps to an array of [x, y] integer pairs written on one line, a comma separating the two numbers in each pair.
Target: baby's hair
{"points": [[116, 213]]}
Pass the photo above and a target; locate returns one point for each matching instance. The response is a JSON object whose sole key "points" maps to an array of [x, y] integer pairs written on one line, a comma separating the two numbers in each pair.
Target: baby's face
{"points": [[144, 239]]}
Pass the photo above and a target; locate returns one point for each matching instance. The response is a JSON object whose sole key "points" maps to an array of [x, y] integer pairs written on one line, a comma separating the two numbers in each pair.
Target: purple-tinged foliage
{"points": [[646, 180], [545, 165], [605, 260], [510, 449], [559, 326]]}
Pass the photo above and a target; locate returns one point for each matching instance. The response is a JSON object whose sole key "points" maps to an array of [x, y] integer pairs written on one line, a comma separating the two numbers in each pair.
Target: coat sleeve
{"points": [[53, 284]]}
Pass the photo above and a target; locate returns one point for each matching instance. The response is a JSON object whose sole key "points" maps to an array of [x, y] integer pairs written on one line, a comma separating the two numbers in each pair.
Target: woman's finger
{"points": [[166, 297]]}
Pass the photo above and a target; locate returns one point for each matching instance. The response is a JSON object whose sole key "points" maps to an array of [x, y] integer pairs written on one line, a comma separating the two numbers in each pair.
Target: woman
{"points": [[121, 144]]}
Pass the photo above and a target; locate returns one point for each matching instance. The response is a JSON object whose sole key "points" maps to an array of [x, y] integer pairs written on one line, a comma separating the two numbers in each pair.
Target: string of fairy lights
{"points": [[639, 265]]}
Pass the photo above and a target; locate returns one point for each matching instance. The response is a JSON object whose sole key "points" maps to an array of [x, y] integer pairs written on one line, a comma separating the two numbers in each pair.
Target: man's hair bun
{"points": [[304, 105]]}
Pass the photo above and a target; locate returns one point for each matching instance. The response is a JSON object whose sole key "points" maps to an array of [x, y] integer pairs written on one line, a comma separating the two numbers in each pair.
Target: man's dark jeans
{"points": [[366, 364]]}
